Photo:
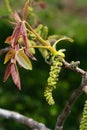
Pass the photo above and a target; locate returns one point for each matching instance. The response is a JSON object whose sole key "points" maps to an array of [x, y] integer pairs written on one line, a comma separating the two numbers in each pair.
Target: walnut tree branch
{"points": [[76, 69], [83, 87], [28, 122], [4, 17], [4, 50]]}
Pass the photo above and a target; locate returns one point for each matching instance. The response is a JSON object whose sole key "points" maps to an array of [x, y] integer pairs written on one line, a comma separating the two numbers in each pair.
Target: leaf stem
{"points": [[41, 40], [43, 47]]}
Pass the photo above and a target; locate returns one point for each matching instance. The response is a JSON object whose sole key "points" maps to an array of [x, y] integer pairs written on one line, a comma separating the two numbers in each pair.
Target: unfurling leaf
{"points": [[8, 39], [9, 55], [25, 10], [7, 72], [23, 60], [16, 17], [27, 52], [15, 76], [24, 34]]}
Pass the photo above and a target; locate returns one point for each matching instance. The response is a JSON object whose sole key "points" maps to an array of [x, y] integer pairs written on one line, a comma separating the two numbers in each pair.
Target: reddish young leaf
{"points": [[8, 40], [27, 51], [15, 76], [16, 34], [19, 31], [24, 34], [25, 10], [16, 17], [7, 72], [25, 41]]}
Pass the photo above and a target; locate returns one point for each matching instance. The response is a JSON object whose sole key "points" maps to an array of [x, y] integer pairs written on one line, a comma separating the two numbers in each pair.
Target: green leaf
{"points": [[23, 60]]}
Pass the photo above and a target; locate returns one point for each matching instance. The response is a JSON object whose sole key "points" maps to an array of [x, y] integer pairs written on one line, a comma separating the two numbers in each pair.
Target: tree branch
{"points": [[67, 109], [28, 122], [4, 17], [4, 50], [75, 69]]}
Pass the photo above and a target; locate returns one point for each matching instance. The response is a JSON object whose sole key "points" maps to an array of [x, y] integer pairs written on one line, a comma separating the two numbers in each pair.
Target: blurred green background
{"points": [[63, 17]]}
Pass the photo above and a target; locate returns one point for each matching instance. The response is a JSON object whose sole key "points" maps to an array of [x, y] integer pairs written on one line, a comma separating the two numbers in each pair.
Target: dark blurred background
{"points": [[63, 17]]}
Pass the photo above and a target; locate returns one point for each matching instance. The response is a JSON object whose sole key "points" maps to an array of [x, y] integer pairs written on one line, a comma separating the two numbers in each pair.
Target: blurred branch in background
{"points": [[28, 122], [4, 50]]}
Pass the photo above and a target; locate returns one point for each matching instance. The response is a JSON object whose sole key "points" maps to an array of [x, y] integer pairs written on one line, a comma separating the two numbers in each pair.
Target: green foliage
{"points": [[83, 124], [65, 22]]}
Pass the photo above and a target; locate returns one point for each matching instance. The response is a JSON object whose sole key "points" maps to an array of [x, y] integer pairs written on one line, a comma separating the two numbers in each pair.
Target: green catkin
{"points": [[44, 33], [53, 77], [83, 124], [39, 28]]}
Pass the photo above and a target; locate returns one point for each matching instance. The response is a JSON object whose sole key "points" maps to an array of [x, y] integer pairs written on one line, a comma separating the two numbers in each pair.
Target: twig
{"points": [[76, 69], [66, 111], [4, 50], [4, 17], [28, 122]]}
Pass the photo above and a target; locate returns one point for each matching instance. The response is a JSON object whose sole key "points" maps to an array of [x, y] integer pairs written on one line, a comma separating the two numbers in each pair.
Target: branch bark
{"points": [[28, 122], [75, 69], [66, 111], [4, 50]]}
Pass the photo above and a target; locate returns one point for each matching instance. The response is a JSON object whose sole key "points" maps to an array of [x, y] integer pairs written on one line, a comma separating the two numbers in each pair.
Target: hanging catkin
{"points": [[53, 77]]}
